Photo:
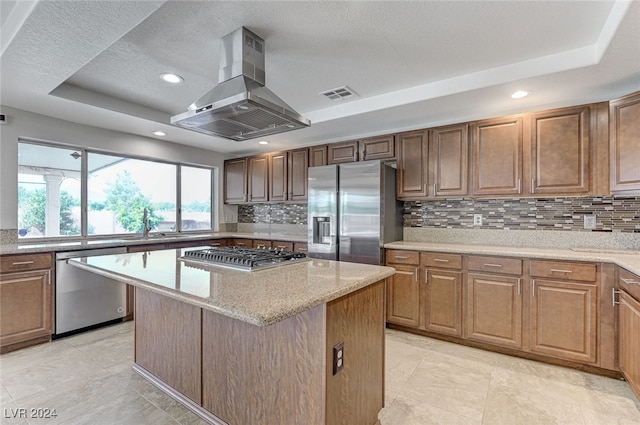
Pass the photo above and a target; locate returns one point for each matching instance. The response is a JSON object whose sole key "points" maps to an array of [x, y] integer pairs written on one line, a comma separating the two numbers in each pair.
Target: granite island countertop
{"points": [[628, 259], [27, 247], [260, 297]]}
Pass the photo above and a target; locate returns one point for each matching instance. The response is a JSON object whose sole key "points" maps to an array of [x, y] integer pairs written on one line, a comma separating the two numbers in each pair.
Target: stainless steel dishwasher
{"points": [[86, 300]]}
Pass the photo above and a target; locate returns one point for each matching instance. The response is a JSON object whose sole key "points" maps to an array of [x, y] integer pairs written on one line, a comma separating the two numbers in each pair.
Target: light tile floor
{"points": [[88, 379]]}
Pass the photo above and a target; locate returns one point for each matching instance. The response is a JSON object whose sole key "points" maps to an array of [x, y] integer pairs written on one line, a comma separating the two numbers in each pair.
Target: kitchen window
{"points": [[118, 191]]}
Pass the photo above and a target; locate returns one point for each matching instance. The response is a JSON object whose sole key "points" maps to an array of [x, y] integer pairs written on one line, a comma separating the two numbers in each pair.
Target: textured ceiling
{"points": [[413, 64]]}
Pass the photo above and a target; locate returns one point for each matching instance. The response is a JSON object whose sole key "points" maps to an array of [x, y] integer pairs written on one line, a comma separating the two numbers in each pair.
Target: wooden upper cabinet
{"points": [[497, 156], [298, 164], [449, 153], [412, 165], [624, 139], [317, 156], [382, 147], [339, 153], [235, 180], [560, 151], [258, 178], [278, 176]]}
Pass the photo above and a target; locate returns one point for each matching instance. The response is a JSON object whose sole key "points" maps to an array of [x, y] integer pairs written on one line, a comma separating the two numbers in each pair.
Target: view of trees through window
{"points": [[119, 190], [49, 201]]}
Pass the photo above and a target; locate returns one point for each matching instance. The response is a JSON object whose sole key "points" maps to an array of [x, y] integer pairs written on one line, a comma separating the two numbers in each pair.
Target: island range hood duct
{"points": [[240, 107]]}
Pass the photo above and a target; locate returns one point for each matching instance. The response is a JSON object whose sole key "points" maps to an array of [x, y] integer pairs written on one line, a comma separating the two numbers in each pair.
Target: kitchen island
{"points": [[300, 343]]}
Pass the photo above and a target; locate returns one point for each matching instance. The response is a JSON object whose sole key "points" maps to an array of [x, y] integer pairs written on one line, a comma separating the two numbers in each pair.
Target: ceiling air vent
{"points": [[340, 93]]}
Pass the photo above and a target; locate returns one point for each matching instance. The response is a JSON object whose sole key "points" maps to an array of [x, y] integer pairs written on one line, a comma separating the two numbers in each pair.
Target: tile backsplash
{"points": [[273, 213], [613, 214]]}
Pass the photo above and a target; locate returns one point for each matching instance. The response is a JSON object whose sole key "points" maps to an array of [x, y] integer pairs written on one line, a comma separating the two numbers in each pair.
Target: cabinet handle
{"points": [[492, 265], [434, 189], [559, 271], [533, 288], [215, 244], [426, 276], [440, 260], [400, 257], [22, 263], [519, 185], [532, 183], [416, 275], [302, 249], [613, 297], [630, 281], [519, 286]]}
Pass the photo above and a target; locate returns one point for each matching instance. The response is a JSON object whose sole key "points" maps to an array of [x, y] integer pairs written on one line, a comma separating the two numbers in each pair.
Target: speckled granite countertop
{"points": [[628, 259], [61, 245], [260, 297]]}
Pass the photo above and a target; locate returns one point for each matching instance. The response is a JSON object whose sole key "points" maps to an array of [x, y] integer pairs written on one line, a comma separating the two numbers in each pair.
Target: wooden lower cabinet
{"points": [[629, 340], [444, 301], [403, 296], [25, 307], [26, 301], [494, 309], [564, 319]]}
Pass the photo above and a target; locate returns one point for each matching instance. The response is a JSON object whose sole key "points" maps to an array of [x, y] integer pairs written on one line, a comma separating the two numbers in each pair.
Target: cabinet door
{"points": [[497, 156], [317, 156], [258, 178], [235, 180], [339, 153], [494, 309], [383, 147], [297, 174], [278, 176], [412, 165], [560, 144], [624, 144], [444, 302], [564, 319], [25, 306], [449, 152], [629, 340], [403, 298]]}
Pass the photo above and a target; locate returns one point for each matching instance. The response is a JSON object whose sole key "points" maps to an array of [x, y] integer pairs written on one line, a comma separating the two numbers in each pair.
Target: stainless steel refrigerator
{"points": [[352, 211]]}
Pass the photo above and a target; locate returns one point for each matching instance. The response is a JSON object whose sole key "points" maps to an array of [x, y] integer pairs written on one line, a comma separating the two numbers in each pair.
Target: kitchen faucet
{"points": [[145, 224]]}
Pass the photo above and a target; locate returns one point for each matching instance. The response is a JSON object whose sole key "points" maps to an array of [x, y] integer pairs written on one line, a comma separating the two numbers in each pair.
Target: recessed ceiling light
{"points": [[159, 133], [263, 142], [172, 78], [520, 94]]}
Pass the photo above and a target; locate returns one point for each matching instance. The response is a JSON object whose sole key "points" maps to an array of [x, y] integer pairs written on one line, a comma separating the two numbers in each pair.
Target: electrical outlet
{"points": [[589, 221], [477, 219], [338, 357]]}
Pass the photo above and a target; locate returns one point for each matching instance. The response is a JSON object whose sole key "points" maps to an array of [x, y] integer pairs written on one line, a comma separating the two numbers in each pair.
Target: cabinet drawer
{"points": [[261, 244], [403, 257], [569, 271], [495, 264], [300, 247], [13, 263], [242, 242], [443, 261], [629, 282], [287, 246]]}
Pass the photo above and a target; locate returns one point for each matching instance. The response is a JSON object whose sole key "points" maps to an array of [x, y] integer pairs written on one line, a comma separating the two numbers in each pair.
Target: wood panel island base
{"points": [[276, 365], [233, 372]]}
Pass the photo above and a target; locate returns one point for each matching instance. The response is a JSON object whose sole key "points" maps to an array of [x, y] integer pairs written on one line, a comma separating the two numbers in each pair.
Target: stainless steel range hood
{"points": [[240, 107]]}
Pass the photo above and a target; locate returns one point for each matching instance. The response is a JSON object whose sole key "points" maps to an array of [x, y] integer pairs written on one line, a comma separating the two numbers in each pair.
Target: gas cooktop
{"points": [[240, 258]]}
